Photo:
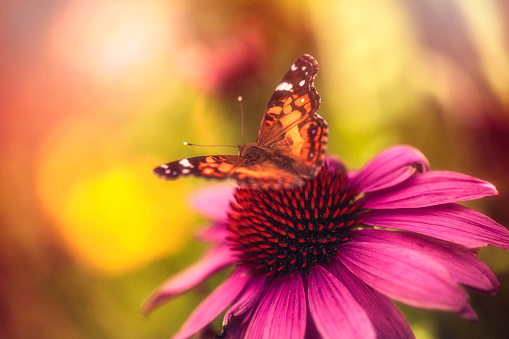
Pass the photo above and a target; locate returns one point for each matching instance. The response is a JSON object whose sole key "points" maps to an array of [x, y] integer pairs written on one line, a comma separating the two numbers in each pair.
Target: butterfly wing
{"points": [[290, 125], [220, 167], [210, 167]]}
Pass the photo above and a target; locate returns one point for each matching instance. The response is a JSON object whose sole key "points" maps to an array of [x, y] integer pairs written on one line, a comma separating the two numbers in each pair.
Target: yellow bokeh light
{"points": [[112, 213]]}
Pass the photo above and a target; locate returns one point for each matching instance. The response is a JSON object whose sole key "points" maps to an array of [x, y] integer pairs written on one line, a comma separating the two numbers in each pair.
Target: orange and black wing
{"points": [[220, 167], [210, 167], [290, 126]]}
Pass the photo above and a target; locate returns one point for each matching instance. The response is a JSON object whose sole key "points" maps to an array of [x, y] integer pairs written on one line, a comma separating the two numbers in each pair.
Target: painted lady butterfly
{"points": [[291, 142]]}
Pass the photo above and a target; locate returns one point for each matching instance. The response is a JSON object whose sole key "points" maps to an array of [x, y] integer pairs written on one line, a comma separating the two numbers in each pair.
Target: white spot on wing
{"points": [[284, 86], [185, 163], [302, 82], [293, 67], [164, 166], [186, 171]]}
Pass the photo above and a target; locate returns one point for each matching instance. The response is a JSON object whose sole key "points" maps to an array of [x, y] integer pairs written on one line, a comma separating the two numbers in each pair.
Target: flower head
{"points": [[322, 260]]}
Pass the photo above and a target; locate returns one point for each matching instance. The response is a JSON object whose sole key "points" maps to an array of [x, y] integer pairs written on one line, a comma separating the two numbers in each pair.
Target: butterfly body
{"points": [[291, 142], [253, 154]]}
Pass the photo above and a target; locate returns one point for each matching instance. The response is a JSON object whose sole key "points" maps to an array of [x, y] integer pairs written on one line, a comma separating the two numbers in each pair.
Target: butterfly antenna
{"points": [[242, 119], [242, 127]]}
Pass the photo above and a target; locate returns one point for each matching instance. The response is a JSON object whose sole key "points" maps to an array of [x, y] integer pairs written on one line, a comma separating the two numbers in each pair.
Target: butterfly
{"points": [[291, 142]]}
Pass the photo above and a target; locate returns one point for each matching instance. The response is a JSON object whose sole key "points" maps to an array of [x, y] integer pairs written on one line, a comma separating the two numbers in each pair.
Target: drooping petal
{"points": [[214, 304], [463, 265], [386, 318], [335, 312], [429, 189], [281, 312], [404, 275], [389, 168], [214, 234], [213, 200], [449, 222], [214, 260]]}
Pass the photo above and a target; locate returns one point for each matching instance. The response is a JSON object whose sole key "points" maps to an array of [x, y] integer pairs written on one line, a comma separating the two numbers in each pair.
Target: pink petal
{"points": [[449, 222], [384, 315], [216, 233], [214, 260], [214, 304], [281, 312], [428, 189], [463, 265], [334, 310], [404, 275], [389, 168], [213, 200]]}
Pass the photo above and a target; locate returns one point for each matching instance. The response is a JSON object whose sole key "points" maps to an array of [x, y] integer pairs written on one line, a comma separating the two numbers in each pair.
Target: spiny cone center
{"points": [[292, 229]]}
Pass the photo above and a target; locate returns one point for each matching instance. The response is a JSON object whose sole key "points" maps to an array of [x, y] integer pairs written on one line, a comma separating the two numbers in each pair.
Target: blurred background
{"points": [[94, 94]]}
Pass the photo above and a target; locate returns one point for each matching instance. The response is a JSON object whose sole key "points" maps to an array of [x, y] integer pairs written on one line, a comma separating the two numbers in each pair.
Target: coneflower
{"points": [[323, 260]]}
